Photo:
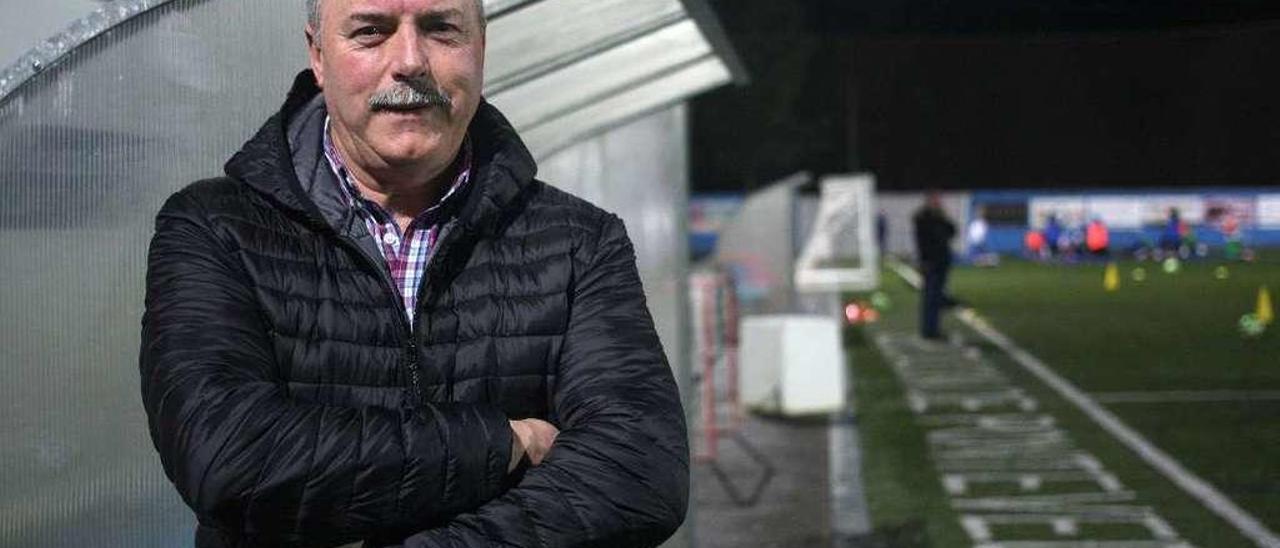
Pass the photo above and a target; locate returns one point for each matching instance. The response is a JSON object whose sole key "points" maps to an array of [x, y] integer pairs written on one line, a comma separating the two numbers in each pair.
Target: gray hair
{"points": [[313, 13]]}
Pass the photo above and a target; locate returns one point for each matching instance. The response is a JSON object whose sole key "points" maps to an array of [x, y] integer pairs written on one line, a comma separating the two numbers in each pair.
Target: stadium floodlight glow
{"points": [[841, 253]]}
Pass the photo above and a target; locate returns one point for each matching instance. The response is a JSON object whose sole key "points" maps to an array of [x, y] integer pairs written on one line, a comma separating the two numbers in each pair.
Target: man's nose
{"points": [[410, 55]]}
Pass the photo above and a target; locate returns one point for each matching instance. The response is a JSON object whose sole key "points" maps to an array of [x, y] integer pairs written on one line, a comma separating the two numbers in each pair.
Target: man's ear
{"points": [[314, 54]]}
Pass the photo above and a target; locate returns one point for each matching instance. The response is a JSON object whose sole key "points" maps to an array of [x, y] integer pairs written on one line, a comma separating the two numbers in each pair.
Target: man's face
{"points": [[372, 49]]}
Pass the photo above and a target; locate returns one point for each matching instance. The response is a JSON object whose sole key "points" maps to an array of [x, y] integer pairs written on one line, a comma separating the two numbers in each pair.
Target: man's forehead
{"points": [[348, 7]]}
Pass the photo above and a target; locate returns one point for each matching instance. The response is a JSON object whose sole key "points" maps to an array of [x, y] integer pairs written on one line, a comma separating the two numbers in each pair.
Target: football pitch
{"points": [[1163, 352]]}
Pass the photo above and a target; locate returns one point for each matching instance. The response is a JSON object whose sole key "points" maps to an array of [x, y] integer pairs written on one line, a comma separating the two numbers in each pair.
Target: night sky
{"points": [[996, 94]]}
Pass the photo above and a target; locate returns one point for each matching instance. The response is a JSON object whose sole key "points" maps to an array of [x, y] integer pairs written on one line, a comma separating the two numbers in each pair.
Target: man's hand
{"points": [[533, 437]]}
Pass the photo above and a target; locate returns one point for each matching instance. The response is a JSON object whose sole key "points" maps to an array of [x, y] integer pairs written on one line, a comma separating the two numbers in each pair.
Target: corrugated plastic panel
{"points": [[607, 112], [578, 85], [552, 33], [88, 150]]}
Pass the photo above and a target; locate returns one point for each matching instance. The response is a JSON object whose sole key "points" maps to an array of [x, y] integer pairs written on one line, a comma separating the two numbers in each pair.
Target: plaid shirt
{"points": [[407, 253]]}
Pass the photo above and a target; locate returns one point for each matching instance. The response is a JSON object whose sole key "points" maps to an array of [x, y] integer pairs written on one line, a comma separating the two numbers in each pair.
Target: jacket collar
{"points": [[280, 156]]}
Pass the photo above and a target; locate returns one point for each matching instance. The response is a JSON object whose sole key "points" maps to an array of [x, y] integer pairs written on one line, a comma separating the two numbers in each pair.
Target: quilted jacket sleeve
{"points": [[268, 470], [617, 475]]}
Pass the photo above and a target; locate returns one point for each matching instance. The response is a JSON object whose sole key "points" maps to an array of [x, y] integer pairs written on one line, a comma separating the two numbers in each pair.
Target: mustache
{"points": [[410, 96]]}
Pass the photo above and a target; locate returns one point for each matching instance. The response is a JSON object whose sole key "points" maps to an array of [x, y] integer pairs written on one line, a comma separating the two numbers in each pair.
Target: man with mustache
{"points": [[379, 328]]}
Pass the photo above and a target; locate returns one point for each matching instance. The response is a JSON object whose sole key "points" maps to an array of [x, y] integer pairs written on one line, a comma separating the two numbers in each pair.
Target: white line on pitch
{"points": [[908, 274], [1195, 486], [1198, 488], [1187, 396]]}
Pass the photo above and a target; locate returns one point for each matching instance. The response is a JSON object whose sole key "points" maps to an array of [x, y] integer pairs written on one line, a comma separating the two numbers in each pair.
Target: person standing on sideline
{"points": [[1097, 238], [1053, 235], [933, 232], [976, 240], [882, 232]]}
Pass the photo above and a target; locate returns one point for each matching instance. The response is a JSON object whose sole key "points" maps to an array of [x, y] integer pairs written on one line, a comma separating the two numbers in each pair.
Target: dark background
{"points": [[1009, 93]]}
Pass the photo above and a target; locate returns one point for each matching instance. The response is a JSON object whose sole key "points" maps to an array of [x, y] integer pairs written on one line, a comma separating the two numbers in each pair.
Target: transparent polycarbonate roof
{"points": [[562, 70]]}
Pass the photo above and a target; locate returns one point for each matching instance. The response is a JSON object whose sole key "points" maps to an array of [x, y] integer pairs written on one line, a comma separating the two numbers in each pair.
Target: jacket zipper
{"points": [[411, 349], [424, 292], [409, 331]]}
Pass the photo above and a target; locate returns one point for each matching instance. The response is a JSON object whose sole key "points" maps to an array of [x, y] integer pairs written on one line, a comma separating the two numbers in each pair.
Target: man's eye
{"points": [[367, 31], [441, 28]]}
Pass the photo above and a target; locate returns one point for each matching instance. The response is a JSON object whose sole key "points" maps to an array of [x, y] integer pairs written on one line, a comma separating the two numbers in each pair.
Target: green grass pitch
{"points": [[1168, 334]]}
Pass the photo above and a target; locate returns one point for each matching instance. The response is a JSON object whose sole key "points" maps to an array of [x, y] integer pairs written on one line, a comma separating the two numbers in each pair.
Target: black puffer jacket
{"points": [[292, 404]]}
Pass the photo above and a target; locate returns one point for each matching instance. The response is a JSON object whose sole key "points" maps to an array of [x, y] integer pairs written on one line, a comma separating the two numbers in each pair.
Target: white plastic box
{"points": [[792, 364]]}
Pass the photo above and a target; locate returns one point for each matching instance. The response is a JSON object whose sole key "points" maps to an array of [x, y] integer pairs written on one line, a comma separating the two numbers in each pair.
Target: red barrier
{"points": [[716, 313]]}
